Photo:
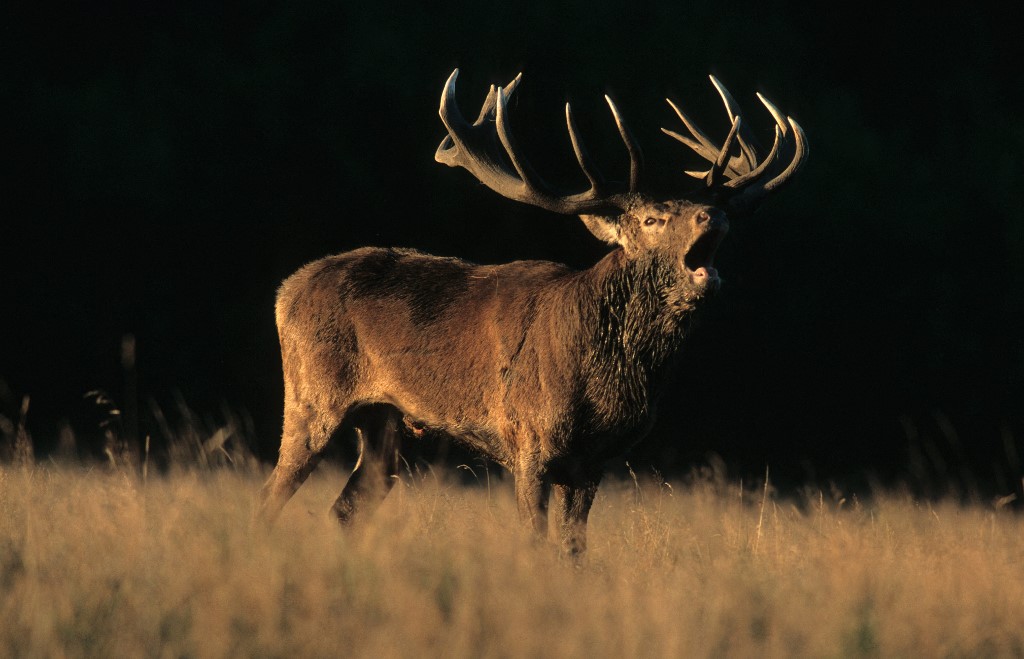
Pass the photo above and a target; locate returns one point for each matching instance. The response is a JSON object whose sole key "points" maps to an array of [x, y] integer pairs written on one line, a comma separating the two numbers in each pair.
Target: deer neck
{"points": [[636, 325]]}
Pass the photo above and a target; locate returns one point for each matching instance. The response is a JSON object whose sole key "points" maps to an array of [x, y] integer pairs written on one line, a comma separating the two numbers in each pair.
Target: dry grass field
{"points": [[96, 562]]}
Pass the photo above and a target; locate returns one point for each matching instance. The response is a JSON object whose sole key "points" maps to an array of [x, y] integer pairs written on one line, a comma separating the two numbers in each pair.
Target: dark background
{"points": [[165, 167]]}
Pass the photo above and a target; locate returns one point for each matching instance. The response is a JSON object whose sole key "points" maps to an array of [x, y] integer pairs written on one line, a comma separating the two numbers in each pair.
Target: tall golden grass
{"points": [[101, 562]]}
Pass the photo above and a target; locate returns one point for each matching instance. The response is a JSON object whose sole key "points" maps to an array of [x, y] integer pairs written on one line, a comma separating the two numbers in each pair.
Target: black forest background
{"points": [[166, 165]]}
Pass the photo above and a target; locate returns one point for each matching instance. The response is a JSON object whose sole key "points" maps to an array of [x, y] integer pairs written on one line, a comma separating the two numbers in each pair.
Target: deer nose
{"points": [[706, 216]]}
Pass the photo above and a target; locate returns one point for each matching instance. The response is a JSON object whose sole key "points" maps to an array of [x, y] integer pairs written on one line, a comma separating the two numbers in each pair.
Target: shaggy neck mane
{"points": [[632, 330]]}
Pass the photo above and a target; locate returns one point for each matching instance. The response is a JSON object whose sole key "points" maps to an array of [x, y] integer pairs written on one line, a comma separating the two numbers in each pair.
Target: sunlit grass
{"points": [[98, 562]]}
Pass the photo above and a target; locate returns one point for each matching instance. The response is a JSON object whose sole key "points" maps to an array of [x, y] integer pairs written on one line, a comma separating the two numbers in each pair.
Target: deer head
{"points": [[684, 232]]}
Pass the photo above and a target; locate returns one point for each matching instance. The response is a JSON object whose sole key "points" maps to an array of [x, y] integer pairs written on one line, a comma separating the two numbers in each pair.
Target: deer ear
{"points": [[605, 228]]}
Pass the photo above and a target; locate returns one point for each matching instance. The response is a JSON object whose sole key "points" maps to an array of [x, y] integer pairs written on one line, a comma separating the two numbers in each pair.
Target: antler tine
{"points": [[452, 119], [488, 108], [526, 172], [597, 181], [723, 156], [800, 152], [780, 119], [703, 146], [487, 148], [745, 138], [635, 155]]}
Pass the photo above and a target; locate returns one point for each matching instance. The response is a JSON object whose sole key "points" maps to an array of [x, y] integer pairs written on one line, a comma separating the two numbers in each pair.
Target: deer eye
{"points": [[650, 222]]}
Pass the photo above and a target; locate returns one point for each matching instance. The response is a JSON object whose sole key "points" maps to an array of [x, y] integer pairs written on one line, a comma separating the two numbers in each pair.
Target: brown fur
{"points": [[546, 370]]}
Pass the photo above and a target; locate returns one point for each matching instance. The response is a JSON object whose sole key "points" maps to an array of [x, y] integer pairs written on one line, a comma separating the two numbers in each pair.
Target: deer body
{"points": [[546, 370]]}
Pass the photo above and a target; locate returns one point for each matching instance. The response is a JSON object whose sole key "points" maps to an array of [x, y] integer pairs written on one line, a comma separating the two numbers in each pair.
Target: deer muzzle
{"points": [[711, 227]]}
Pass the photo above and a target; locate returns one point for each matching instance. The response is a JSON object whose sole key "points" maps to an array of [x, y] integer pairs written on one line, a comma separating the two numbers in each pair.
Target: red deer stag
{"points": [[546, 370]]}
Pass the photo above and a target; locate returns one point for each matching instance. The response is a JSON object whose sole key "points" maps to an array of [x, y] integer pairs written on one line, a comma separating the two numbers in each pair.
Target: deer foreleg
{"points": [[574, 508], [532, 494]]}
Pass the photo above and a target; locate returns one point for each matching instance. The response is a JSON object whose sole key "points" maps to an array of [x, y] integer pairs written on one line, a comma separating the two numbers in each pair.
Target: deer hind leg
{"points": [[379, 428], [302, 443]]}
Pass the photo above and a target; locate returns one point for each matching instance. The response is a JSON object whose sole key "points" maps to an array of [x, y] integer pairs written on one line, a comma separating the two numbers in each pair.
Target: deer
{"points": [[546, 370]]}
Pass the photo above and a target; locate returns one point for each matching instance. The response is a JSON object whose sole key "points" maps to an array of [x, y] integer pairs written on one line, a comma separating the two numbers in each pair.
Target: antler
{"points": [[476, 148], [740, 180]]}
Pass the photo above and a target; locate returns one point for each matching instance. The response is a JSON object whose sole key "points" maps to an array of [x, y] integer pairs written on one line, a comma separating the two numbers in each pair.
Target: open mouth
{"points": [[699, 259]]}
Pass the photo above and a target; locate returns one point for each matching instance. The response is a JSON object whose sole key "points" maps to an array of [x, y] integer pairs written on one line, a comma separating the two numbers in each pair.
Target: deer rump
{"points": [[546, 370]]}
